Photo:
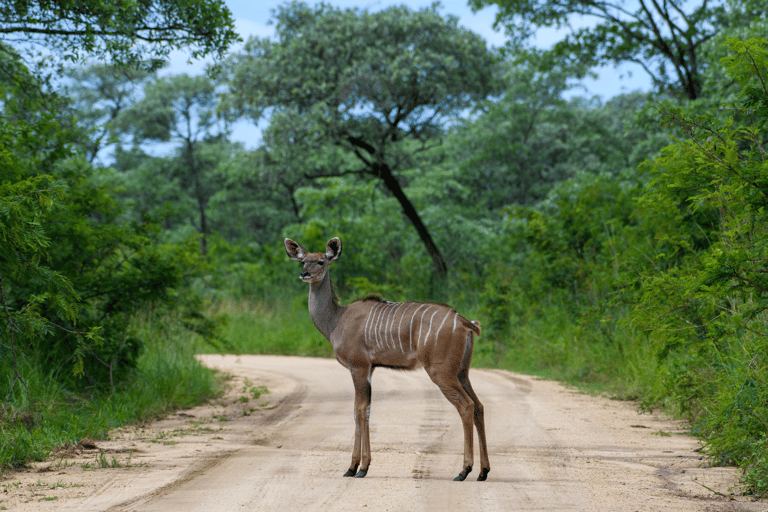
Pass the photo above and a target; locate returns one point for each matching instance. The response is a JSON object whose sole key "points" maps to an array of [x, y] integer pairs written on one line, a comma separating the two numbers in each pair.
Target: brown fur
{"points": [[368, 333], [372, 296]]}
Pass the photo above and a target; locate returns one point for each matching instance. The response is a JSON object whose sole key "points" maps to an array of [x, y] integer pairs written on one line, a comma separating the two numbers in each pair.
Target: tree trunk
{"points": [[383, 172]]}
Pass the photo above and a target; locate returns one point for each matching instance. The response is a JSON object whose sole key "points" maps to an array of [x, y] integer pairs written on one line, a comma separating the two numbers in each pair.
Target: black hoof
{"points": [[349, 473], [483, 474], [361, 473], [463, 474]]}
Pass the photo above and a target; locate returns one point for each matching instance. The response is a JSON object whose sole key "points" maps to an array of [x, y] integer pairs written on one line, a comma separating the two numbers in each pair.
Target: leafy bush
{"points": [[704, 305]]}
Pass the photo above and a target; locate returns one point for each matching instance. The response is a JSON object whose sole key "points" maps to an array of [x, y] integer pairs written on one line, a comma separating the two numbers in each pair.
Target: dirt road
{"points": [[551, 449]]}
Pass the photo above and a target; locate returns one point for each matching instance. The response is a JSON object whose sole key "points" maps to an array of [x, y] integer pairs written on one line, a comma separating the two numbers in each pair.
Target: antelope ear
{"points": [[333, 249], [294, 250]]}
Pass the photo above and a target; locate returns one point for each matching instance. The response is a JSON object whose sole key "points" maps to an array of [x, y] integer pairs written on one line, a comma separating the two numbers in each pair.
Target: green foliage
{"points": [[183, 110], [704, 304], [350, 91], [709, 198], [116, 269], [98, 95], [128, 32], [167, 377], [27, 200], [532, 138], [668, 42], [73, 272], [652, 281], [280, 326], [327, 63]]}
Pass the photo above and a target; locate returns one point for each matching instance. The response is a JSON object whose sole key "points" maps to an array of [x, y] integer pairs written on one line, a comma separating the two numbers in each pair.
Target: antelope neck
{"points": [[323, 308]]}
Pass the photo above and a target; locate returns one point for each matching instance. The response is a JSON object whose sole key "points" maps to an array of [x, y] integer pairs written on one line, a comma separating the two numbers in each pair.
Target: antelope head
{"points": [[315, 263]]}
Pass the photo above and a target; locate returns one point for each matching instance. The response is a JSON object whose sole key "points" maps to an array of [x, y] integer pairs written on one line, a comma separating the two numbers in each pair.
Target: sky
{"points": [[252, 18]]}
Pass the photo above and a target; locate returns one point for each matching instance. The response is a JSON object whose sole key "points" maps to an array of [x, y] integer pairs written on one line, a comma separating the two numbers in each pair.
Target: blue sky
{"points": [[252, 19]]}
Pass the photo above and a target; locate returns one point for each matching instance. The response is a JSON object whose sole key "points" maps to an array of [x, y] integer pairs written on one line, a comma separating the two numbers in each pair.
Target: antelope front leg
{"points": [[361, 451]]}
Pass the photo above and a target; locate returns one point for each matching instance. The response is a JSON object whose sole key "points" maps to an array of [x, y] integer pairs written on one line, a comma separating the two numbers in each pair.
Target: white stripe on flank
{"points": [[455, 316], [437, 332], [369, 329], [388, 325], [430, 327], [410, 329], [421, 323], [375, 325], [385, 323], [390, 321], [400, 325], [366, 329]]}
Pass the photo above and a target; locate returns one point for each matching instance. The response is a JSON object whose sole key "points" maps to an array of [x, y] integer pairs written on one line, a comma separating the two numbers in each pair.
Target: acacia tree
{"points": [[667, 39], [183, 109], [379, 86]]}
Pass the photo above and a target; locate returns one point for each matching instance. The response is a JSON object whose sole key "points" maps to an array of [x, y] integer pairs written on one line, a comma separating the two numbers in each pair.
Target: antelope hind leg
{"points": [[485, 465], [457, 395]]}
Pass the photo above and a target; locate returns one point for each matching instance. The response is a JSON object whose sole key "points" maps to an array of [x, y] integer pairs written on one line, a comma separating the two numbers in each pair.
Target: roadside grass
{"points": [[550, 348], [279, 326], [167, 377], [552, 345]]}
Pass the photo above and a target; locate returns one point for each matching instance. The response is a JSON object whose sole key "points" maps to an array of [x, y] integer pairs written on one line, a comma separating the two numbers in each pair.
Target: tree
{"points": [[704, 295], [183, 109], [256, 202], [378, 86], [99, 94], [143, 31], [72, 274], [666, 39], [708, 205]]}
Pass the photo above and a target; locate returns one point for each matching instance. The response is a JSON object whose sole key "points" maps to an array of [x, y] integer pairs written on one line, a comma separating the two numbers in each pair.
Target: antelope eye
{"points": [[321, 263]]}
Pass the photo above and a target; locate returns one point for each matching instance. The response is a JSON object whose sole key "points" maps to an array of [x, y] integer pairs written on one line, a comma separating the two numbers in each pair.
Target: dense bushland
{"points": [[618, 245]]}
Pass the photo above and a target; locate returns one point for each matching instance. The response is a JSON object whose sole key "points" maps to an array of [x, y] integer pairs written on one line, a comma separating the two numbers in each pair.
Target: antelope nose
{"points": [[304, 274]]}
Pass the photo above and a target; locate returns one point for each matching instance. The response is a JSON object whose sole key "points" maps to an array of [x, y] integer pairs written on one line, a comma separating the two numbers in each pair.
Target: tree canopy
{"points": [[380, 86], [666, 39], [142, 31], [182, 109]]}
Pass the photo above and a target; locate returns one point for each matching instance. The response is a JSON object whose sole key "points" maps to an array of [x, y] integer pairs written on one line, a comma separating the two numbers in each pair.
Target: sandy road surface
{"points": [[551, 449]]}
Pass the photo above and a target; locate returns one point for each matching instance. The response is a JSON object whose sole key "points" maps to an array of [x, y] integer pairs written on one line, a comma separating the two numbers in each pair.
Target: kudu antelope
{"points": [[403, 335]]}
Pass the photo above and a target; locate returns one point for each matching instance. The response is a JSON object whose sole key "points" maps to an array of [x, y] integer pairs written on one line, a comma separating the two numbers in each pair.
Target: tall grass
{"points": [[167, 377], [279, 326]]}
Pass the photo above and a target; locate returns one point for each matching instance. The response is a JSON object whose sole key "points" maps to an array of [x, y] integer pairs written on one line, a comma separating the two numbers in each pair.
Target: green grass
{"points": [[167, 377], [278, 327]]}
